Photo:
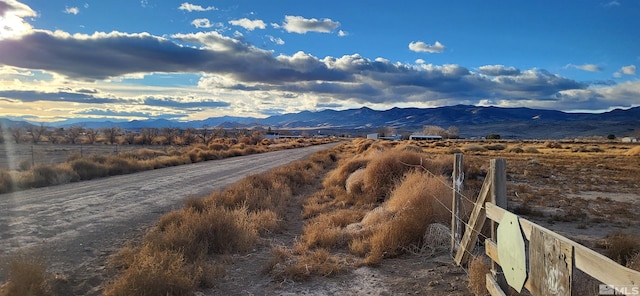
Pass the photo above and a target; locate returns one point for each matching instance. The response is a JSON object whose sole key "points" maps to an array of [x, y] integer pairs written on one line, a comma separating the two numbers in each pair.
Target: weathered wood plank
{"points": [[498, 196], [493, 287], [591, 262], [551, 264], [476, 222]]}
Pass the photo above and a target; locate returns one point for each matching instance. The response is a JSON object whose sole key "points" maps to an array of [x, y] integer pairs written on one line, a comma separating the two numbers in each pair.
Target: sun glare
{"points": [[12, 27]]}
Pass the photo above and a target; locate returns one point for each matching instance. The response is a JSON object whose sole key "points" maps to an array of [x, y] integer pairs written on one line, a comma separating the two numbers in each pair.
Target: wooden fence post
{"points": [[456, 224], [498, 196]]}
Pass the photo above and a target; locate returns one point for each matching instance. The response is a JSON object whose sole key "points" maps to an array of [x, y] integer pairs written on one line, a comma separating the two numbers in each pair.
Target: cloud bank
{"points": [[239, 76]]}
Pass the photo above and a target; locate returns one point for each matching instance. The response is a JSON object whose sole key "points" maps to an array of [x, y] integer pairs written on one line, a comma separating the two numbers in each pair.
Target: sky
{"points": [[177, 60]]}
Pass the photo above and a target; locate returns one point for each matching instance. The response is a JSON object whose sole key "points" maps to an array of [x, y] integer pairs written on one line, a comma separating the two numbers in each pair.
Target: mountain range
{"points": [[472, 121]]}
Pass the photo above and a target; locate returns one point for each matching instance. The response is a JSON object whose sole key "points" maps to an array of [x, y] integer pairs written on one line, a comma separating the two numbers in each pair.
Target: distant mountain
{"points": [[472, 121]]}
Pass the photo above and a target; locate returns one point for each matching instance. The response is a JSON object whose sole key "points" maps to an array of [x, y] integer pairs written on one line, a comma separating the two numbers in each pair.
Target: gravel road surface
{"points": [[75, 226]]}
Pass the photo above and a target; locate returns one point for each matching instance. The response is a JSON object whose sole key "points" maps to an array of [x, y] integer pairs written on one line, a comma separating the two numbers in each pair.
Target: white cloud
{"points": [[193, 7], [629, 70], [12, 16], [249, 24], [585, 67], [276, 40], [202, 23], [72, 10], [301, 25], [420, 46], [343, 33]]}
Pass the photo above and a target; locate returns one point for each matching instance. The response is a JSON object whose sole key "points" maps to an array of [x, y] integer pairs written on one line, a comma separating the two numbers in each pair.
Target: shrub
{"points": [[515, 150], [412, 204], [633, 262], [474, 148], [120, 166], [338, 176], [495, 146], [478, 270], [6, 182], [384, 171], [531, 149], [87, 169], [26, 276], [45, 175], [154, 273], [355, 182], [621, 247], [284, 265], [24, 165], [554, 145]]}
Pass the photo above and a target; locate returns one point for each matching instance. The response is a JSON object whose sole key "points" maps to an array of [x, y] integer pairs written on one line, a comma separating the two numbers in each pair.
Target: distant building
{"points": [[372, 136], [424, 137], [629, 140], [392, 137]]}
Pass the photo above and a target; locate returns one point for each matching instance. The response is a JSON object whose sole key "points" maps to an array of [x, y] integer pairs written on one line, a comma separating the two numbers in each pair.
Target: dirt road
{"points": [[75, 226]]}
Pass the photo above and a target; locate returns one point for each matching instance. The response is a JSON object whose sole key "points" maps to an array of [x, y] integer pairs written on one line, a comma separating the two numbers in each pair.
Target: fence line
{"points": [[15, 155], [548, 266]]}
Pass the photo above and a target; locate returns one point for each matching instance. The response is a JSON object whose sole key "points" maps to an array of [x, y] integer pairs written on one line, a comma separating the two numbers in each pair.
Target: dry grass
{"points": [[633, 262], [478, 269], [45, 175], [87, 167], [474, 148], [6, 182], [174, 257], [26, 276], [495, 146], [413, 206], [154, 272], [284, 264], [385, 170], [621, 247], [339, 176], [635, 151]]}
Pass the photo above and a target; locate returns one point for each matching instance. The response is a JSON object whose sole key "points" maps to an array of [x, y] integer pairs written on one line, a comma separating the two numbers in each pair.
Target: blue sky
{"points": [[124, 60]]}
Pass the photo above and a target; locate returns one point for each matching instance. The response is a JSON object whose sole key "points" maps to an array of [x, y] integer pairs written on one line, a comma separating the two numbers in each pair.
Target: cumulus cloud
{"points": [[420, 46], [72, 10], [301, 25], [343, 33], [193, 7], [248, 24], [498, 70], [585, 67], [202, 23], [629, 70]]}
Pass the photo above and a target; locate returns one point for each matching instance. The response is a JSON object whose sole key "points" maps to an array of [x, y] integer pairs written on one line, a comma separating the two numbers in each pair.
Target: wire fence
{"points": [[462, 217], [23, 156]]}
